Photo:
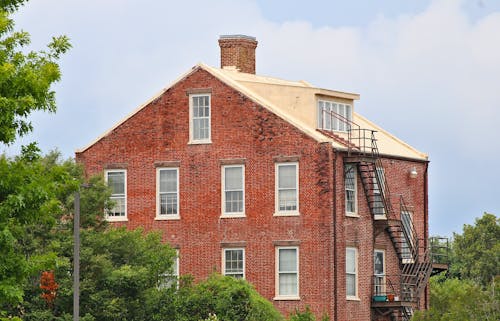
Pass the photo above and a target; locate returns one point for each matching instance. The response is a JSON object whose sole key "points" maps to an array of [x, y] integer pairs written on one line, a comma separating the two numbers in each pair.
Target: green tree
{"points": [[25, 77], [230, 299], [35, 218], [120, 271], [476, 252], [453, 299]]}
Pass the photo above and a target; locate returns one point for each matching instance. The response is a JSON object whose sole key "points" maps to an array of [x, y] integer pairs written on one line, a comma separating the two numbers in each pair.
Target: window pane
{"points": [[119, 208], [350, 261], [286, 176], [350, 205], [379, 263], [234, 202], [116, 181], [168, 180], [288, 260], [288, 200], [233, 178], [351, 284], [288, 284], [233, 263], [320, 114]]}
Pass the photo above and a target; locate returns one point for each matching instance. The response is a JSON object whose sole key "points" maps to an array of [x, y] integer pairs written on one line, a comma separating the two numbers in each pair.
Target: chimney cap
{"points": [[245, 37]]}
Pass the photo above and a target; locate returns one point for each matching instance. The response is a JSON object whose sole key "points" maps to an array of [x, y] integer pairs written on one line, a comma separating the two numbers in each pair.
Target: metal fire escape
{"points": [[402, 291]]}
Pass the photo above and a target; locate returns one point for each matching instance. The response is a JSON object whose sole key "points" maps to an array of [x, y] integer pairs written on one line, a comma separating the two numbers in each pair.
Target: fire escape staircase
{"points": [[415, 267]]}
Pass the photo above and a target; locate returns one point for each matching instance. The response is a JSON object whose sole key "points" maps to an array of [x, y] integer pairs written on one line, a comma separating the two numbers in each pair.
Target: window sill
{"points": [[287, 298], [116, 219], [236, 215], [167, 217], [380, 217], [353, 298], [286, 213], [355, 215], [199, 142]]}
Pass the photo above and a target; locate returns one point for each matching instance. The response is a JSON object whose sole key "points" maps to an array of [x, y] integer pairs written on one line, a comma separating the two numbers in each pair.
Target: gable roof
{"points": [[293, 101]]}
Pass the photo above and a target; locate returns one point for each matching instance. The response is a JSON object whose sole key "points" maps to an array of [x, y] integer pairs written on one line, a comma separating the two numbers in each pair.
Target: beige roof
{"points": [[295, 102]]}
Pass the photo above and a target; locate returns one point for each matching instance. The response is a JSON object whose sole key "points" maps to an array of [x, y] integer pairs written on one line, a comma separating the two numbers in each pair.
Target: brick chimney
{"points": [[238, 51]]}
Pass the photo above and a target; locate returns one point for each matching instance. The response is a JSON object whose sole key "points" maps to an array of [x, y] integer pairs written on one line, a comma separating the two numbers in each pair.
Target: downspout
{"points": [[426, 219], [334, 205]]}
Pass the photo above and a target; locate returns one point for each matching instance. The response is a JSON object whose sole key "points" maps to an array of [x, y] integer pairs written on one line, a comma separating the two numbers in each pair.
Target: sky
{"points": [[427, 71]]}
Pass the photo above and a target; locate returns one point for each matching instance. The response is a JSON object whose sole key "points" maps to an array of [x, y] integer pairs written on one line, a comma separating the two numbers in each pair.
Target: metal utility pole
{"points": [[76, 259]]}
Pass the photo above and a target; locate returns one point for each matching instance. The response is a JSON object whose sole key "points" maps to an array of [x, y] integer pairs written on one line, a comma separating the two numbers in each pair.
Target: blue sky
{"points": [[427, 71]]}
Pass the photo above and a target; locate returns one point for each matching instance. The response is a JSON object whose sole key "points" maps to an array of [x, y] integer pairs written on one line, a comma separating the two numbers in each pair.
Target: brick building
{"points": [[279, 182]]}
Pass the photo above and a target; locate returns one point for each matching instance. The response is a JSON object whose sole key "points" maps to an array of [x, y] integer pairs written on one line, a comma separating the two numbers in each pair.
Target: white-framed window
{"points": [[117, 182], [378, 193], [287, 273], [351, 272], [171, 279], [233, 190], [233, 262], [334, 116], [199, 118], [287, 188], [379, 271], [167, 193], [407, 221], [351, 196]]}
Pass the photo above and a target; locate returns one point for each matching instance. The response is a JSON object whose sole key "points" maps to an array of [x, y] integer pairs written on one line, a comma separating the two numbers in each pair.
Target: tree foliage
{"points": [[471, 289], [453, 299], [476, 252], [25, 77], [36, 216]]}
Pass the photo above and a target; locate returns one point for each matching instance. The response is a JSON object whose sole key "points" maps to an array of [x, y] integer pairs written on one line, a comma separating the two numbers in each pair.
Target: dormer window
{"points": [[334, 116]]}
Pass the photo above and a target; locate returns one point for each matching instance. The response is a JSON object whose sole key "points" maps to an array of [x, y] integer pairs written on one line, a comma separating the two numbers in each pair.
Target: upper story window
{"points": [[350, 190], [351, 272], [199, 118], [167, 193], [334, 116], [233, 190], [287, 188], [378, 193], [379, 271], [234, 262], [117, 182]]}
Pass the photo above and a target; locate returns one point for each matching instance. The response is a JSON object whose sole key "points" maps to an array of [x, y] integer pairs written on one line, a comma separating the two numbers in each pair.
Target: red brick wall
{"points": [[241, 129]]}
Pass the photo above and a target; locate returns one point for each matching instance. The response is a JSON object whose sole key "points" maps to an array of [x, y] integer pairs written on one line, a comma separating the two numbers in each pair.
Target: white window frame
{"points": [[224, 272], [278, 211], [333, 124], [379, 191], [192, 139], [223, 192], [160, 216], [355, 273], [278, 272], [410, 217], [351, 168], [117, 218], [380, 286]]}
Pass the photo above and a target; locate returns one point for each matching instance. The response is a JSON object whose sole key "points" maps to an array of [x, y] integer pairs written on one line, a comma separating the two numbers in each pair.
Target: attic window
{"points": [[334, 116], [199, 118]]}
